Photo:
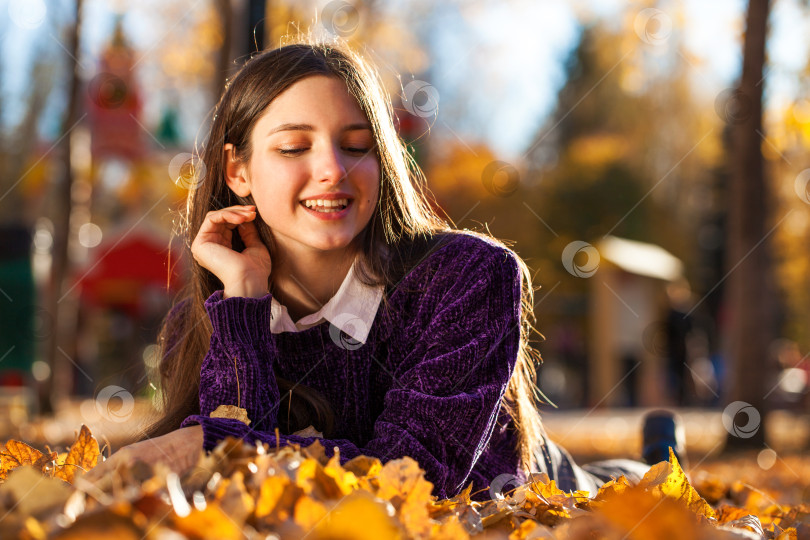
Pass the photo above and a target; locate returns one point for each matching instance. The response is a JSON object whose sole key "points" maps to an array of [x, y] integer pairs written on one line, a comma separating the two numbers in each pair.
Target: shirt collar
{"points": [[352, 310]]}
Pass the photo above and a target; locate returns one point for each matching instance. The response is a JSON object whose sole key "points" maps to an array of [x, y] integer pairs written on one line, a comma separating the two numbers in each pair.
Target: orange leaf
{"points": [[728, 513], [277, 499], [83, 455], [613, 488], [639, 514], [212, 522], [363, 466], [18, 453]]}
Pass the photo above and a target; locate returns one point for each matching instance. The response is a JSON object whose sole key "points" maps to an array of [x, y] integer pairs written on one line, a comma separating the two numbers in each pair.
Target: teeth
{"points": [[326, 204]]}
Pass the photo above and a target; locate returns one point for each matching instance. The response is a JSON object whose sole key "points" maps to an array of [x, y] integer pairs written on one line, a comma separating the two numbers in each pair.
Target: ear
{"points": [[236, 172]]}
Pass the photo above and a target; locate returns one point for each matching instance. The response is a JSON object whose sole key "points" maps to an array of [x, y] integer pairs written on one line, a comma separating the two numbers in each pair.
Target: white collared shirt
{"points": [[352, 310]]}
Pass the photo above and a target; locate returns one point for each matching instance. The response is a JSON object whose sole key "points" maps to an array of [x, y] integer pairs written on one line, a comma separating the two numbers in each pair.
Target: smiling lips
{"points": [[326, 206]]}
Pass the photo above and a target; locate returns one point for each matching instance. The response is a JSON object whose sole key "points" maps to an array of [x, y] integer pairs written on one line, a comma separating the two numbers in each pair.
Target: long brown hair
{"points": [[403, 219]]}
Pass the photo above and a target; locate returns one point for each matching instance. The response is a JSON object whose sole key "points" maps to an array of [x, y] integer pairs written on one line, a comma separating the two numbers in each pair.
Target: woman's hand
{"points": [[180, 450], [242, 274]]}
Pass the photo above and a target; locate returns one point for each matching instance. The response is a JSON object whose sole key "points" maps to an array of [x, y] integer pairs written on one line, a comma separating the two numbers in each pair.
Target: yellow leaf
{"points": [[344, 480], [449, 529], [33, 529], [365, 469], [668, 479], [547, 490], [305, 475], [308, 513], [358, 517], [526, 530], [402, 480], [231, 411], [277, 499], [270, 493]]}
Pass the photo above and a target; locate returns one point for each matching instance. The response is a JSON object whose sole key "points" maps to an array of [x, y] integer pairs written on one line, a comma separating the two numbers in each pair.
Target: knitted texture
{"points": [[427, 383]]}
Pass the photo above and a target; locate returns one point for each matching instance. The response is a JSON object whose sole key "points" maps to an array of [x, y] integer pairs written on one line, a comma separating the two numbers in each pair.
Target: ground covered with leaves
{"points": [[241, 491]]}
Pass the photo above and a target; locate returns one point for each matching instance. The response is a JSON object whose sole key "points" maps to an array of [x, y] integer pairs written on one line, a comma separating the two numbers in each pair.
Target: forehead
{"points": [[318, 99]]}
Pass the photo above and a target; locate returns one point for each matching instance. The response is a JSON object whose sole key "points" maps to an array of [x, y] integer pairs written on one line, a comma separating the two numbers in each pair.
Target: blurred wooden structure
{"points": [[628, 302]]}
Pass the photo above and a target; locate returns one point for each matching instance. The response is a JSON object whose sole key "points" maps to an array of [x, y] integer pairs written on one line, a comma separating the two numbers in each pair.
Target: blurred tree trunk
{"points": [[750, 294], [243, 33], [61, 221], [225, 60], [257, 10]]}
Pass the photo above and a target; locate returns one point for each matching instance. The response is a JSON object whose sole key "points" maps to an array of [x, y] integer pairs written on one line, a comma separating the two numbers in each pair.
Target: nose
{"points": [[329, 166]]}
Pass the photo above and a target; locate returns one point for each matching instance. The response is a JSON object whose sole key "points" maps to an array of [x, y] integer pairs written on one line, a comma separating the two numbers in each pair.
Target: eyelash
{"points": [[296, 151]]}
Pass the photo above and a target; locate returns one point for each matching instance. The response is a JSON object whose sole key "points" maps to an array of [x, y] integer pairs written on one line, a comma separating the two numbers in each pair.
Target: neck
{"points": [[304, 279]]}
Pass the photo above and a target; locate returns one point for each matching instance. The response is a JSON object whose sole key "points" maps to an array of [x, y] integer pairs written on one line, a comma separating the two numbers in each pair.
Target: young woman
{"points": [[325, 292]]}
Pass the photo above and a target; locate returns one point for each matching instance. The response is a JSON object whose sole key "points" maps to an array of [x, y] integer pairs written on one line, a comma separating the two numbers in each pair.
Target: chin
{"points": [[331, 244]]}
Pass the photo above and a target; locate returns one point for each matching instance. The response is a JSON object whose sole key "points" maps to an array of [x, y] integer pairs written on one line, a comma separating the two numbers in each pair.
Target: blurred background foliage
{"points": [[556, 123]]}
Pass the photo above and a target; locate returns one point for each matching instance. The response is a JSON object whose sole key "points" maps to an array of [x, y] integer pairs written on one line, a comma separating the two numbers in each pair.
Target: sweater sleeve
{"points": [[442, 407], [238, 367]]}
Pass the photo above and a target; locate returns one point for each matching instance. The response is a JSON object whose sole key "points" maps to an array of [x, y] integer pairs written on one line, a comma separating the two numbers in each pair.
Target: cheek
{"points": [[371, 181], [276, 186]]}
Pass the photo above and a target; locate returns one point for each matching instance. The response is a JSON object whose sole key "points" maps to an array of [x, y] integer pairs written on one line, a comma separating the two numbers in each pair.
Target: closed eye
{"points": [[291, 151], [357, 150]]}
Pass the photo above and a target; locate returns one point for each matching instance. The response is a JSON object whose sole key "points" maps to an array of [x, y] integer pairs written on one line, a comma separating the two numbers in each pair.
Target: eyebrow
{"points": [[307, 127]]}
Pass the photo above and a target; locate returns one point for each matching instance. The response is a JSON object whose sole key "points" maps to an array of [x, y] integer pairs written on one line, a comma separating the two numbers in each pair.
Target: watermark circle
{"points": [[802, 185], [590, 266], [341, 338], [733, 106], [42, 323], [108, 91], [653, 26], [421, 99], [340, 18], [502, 485], [27, 14], [500, 178], [187, 170], [655, 338], [108, 408], [751, 425]]}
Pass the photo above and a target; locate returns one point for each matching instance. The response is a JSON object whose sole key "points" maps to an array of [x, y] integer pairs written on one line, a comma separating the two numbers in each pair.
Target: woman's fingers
{"points": [[213, 249], [249, 234], [231, 216], [221, 222]]}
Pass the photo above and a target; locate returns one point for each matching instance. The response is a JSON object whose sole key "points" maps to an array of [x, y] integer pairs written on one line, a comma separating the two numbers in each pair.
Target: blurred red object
{"points": [[128, 270]]}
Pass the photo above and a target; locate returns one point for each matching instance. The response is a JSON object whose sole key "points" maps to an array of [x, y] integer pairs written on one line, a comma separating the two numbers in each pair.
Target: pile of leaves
{"points": [[242, 491]]}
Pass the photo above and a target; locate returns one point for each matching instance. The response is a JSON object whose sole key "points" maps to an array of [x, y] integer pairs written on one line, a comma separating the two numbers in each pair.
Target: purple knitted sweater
{"points": [[427, 383]]}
